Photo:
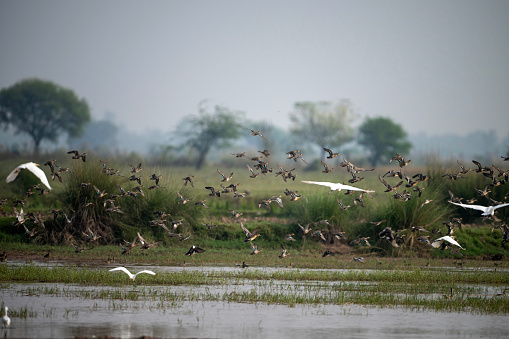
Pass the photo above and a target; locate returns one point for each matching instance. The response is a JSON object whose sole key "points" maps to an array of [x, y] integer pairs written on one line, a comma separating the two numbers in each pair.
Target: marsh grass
{"points": [[23, 312], [415, 289], [89, 276]]}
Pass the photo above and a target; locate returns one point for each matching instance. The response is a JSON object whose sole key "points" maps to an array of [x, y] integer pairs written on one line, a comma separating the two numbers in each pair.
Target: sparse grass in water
{"points": [[416, 289]]}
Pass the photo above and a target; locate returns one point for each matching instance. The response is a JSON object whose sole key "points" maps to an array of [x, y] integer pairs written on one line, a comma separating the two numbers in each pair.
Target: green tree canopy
{"points": [[43, 110], [323, 123], [210, 130], [383, 138]]}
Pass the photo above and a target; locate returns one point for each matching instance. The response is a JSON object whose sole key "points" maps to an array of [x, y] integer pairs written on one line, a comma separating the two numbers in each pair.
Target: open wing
{"points": [[141, 239], [39, 173], [501, 205], [447, 238], [246, 231], [322, 183], [336, 186], [475, 207], [146, 271], [32, 167], [13, 174], [123, 269]]}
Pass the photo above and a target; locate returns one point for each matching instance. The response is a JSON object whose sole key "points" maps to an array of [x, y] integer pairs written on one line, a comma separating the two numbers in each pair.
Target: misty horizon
{"points": [[439, 67]]}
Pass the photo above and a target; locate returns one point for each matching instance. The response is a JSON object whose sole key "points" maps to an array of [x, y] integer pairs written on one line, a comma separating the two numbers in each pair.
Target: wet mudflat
{"points": [[50, 310]]}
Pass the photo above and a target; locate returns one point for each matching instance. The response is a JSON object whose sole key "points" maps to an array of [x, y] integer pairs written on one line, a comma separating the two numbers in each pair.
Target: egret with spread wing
{"points": [[32, 167], [336, 186], [438, 242], [487, 210], [131, 276]]}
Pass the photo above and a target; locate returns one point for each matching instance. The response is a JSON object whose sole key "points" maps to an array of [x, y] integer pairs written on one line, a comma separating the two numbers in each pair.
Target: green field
{"points": [[476, 235]]}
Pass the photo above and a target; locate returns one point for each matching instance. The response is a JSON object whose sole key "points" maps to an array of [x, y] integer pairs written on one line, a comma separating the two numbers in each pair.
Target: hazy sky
{"points": [[429, 65]]}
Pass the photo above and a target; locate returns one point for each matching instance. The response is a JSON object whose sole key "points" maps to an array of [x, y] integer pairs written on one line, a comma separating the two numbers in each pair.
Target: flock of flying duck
{"points": [[261, 164]]}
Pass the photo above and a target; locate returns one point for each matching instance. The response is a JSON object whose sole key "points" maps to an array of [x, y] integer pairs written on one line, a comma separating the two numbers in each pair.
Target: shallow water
{"points": [[167, 268], [71, 314], [64, 318]]}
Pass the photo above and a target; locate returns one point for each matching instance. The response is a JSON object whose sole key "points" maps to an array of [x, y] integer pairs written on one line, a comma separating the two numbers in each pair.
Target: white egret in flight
{"points": [[32, 167], [336, 186], [131, 276], [438, 242], [487, 210]]}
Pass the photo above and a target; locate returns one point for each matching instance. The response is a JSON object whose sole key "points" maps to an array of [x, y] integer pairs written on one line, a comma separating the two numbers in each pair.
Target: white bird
{"points": [[131, 276], [32, 167], [438, 242], [336, 186], [487, 210], [6, 321]]}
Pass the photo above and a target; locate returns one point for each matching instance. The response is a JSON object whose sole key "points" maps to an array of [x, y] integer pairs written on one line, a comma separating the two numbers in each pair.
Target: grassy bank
{"points": [[273, 223]]}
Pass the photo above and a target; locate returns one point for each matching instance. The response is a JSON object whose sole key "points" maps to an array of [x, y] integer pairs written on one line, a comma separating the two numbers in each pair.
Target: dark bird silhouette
{"points": [[156, 178], [50, 164], [389, 187], [265, 153], [326, 168], [189, 180], [401, 160], [327, 253], [135, 178], [194, 249], [388, 234], [239, 155], [331, 154], [77, 155], [213, 191], [135, 169]]}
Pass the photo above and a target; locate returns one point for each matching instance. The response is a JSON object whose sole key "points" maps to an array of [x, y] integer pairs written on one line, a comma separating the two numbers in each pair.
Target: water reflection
{"points": [[71, 314], [233, 320]]}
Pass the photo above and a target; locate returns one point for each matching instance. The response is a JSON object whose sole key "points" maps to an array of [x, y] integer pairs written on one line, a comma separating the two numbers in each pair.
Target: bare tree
{"points": [[207, 130]]}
